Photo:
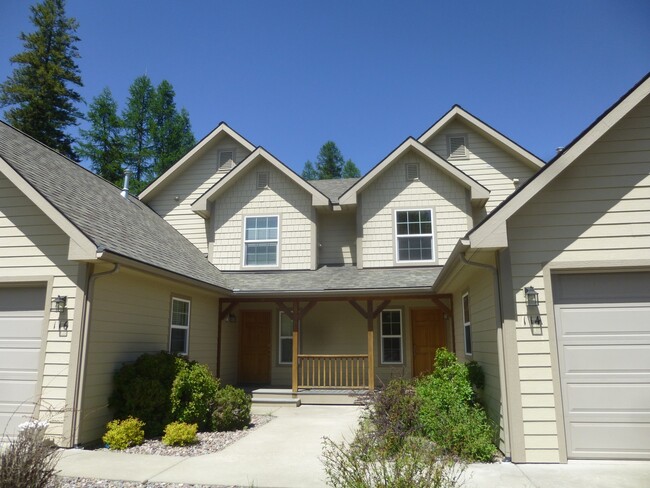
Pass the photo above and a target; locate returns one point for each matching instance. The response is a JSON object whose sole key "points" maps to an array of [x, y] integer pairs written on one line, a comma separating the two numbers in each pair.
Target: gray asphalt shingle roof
{"points": [[125, 227], [333, 189], [334, 278]]}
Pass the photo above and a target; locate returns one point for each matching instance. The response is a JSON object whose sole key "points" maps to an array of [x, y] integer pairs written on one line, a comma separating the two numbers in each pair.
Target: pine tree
{"points": [[138, 119], [309, 173], [171, 131], [103, 143], [350, 170], [329, 162], [40, 91]]}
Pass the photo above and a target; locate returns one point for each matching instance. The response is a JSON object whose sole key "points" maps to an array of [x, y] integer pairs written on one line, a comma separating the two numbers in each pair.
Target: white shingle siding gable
{"points": [[487, 163], [596, 211], [31, 245], [190, 185], [390, 191], [283, 198]]}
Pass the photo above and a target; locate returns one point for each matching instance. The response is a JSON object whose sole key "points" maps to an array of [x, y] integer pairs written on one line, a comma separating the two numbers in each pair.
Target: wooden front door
{"points": [[428, 332], [255, 347]]}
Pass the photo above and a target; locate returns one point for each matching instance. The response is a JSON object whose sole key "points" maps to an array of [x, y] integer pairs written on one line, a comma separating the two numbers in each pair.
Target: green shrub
{"points": [[393, 414], [364, 464], [121, 434], [143, 389], [28, 461], [232, 409], [448, 414], [192, 395], [180, 434]]}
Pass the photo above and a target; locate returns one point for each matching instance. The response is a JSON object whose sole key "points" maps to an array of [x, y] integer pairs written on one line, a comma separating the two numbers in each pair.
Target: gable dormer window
{"points": [[226, 159], [457, 146], [262, 180], [414, 236], [412, 171], [261, 238]]}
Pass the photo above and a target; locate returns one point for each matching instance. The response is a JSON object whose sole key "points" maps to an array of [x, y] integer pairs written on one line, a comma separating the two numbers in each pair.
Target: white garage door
{"points": [[603, 330], [21, 329]]}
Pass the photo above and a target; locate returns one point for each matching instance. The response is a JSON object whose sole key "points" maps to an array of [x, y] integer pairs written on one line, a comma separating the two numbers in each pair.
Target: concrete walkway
{"points": [[285, 454]]}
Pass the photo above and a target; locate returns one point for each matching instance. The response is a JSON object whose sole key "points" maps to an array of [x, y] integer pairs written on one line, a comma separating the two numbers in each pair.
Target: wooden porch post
{"points": [[371, 347], [296, 338]]}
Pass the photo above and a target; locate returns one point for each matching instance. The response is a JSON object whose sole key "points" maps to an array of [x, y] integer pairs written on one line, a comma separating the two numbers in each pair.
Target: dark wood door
{"points": [[428, 333], [255, 347]]}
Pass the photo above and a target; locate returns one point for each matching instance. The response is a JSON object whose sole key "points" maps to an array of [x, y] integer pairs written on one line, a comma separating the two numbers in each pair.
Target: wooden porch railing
{"points": [[333, 371]]}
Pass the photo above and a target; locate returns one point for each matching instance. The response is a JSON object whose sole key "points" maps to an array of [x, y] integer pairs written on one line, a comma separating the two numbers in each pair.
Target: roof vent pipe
{"points": [[125, 190]]}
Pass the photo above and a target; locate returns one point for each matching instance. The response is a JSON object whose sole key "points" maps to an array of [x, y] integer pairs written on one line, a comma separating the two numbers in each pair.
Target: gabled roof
{"points": [[201, 206], [479, 194], [92, 211], [459, 113], [495, 221], [219, 131], [333, 188]]}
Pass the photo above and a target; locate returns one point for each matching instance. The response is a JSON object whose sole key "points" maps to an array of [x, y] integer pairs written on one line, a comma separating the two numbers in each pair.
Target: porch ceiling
{"points": [[334, 279]]}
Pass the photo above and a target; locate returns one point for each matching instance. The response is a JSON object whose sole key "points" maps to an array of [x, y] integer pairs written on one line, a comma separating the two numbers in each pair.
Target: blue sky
{"points": [[290, 75]]}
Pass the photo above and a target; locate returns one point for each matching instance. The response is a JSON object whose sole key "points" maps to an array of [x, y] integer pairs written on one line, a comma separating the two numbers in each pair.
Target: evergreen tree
{"points": [[171, 131], [40, 91], [329, 162], [309, 173], [103, 144], [350, 170], [138, 120]]}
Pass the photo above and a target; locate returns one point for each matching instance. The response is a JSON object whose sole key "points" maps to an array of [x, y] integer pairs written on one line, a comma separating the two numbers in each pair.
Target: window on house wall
{"points": [[457, 146], [226, 159], [285, 345], [261, 241], [179, 326], [467, 325], [391, 337], [414, 235]]}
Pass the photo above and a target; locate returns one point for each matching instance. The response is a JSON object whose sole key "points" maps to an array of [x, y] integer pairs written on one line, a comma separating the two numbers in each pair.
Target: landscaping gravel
{"points": [[209, 442]]}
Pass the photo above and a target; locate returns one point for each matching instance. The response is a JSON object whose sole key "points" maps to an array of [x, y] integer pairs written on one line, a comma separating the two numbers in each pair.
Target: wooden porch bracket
{"points": [[441, 304]]}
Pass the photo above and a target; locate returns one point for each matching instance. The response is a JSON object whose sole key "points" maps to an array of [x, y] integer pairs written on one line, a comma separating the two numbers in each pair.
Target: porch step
{"points": [[275, 397], [276, 402], [285, 397]]}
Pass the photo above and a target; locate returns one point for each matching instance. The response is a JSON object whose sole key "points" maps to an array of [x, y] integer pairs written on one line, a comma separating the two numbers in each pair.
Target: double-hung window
{"points": [[467, 325], [414, 235], [261, 241], [391, 337], [285, 346], [179, 326]]}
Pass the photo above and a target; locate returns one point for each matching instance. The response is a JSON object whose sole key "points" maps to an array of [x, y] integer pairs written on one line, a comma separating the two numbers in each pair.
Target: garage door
{"points": [[21, 329], [603, 330]]}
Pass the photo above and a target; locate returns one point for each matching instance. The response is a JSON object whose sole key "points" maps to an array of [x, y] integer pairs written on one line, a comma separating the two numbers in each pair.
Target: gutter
{"points": [[81, 362]]}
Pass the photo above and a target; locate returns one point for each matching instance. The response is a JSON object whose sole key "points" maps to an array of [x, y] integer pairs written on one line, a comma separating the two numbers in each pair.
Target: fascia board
{"points": [[80, 246], [160, 182]]}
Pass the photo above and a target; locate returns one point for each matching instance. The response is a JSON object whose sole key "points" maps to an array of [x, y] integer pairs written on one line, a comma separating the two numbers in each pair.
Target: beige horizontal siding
{"points": [[597, 210], [31, 245], [173, 202], [487, 163], [390, 191]]}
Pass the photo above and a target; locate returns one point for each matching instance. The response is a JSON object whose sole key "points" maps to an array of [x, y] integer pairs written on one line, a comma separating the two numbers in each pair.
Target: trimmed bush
{"points": [[393, 414], [448, 414], [232, 409], [180, 434], [143, 389], [192, 395], [28, 461], [121, 434]]}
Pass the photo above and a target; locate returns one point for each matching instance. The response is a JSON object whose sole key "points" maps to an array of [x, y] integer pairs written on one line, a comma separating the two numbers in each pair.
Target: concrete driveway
{"points": [[285, 454]]}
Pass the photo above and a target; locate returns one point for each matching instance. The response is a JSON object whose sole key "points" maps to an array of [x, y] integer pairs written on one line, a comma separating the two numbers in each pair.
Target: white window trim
{"points": [[465, 155], [173, 326], [244, 242], [280, 337], [401, 335], [467, 326], [433, 240], [223, 150]]}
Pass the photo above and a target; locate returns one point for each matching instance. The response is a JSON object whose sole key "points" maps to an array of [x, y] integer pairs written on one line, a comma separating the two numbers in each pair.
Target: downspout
{"points": [[81, 363], [500, 347]]}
